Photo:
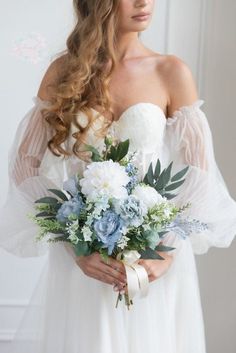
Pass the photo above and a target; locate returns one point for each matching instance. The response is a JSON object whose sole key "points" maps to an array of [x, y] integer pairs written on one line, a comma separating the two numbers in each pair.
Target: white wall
{"points": [[25, 25], [200, 32]]}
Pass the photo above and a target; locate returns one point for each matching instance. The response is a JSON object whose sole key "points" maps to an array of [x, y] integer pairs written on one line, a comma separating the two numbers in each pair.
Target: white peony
{"points": [[149, 196], [107, 177]]}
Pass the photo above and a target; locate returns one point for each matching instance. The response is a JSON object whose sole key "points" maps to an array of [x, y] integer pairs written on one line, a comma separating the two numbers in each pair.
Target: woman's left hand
{"points": [[155, 268]]}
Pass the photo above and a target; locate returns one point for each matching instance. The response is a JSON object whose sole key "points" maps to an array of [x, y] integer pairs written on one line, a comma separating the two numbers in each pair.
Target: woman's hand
{"points": [[155, 268], [94, 266]]}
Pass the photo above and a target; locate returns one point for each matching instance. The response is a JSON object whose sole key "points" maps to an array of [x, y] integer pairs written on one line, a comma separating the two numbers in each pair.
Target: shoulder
{"points": [[50, 77], [179, 82]]}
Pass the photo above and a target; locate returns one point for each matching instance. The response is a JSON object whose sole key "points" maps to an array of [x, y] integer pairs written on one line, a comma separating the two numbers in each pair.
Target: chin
{"points": [[135, 27]]}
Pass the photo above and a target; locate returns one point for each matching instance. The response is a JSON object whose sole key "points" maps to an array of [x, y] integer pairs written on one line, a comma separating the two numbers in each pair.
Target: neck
{"points": [[128, 46]]}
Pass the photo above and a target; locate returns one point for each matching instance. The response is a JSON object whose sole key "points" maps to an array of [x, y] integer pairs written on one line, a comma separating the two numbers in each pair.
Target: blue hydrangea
{"points": [[73, 206], [131, 210], [109, 229]]}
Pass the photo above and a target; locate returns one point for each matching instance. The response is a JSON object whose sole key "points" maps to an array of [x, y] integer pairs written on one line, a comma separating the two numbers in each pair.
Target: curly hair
{"points": [[83, 79]]}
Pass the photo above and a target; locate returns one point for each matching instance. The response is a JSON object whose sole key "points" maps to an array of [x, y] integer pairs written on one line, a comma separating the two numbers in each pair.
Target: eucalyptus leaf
{"points": [[168, 173], [157, 169], [150, 176], [81, 248], [48, 200], [122, 149], [149, 253], [175, 185], [180, 174], [59, 193], [160, 184], [162, 247], [169, 196]]}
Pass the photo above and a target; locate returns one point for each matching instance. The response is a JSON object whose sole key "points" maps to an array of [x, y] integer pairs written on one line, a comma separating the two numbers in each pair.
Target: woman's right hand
{"points": [[111, 272]]}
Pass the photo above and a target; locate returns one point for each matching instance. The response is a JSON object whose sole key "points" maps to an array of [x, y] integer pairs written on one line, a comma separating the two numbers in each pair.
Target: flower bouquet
{"points": [[110, 209]]}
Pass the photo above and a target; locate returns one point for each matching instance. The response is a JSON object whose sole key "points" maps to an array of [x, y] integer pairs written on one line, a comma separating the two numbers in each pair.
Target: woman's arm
{"points": [[179, 83], [182, 91]]}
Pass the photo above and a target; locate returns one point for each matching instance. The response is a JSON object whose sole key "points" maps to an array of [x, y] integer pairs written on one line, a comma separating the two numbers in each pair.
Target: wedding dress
{"points": [[70, 312]]}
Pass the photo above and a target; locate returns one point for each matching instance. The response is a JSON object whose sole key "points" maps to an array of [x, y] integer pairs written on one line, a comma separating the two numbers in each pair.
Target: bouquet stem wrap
{"points": [[137, 277]]}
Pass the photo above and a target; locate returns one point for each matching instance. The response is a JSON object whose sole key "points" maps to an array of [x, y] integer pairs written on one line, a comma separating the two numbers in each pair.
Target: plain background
{"points": [[203, 34]]}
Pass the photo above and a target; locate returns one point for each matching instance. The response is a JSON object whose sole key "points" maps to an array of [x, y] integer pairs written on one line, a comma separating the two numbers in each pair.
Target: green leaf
{"points": [[180, 174], [95, 154], [168, 173], [112, 154], [149, 253], [56, 239], [122, 149], [160, 184], [150, 175], [48, 200], [174, 186], [59, 231], [162, 247], [44, 214], [169, 196], [82, 248], [157, 169], [59, 193]]}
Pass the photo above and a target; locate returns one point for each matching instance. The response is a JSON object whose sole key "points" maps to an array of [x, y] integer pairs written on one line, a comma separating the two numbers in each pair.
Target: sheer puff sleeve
{"points": [[26, 184], [188, 141]]}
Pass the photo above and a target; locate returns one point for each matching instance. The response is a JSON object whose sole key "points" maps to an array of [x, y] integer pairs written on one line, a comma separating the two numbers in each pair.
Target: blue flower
{"points": [[73, 206], [131, 210], [131, 170], [132, 183], [184, 227], [108, 229]]}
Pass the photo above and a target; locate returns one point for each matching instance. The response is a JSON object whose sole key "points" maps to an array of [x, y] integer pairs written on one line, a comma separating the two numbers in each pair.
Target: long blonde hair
{"points": [[83, 79]]}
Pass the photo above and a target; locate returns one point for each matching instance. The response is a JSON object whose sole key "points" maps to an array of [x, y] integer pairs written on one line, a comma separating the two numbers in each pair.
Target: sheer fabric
{"points": [[26, 184], [189, 142], [70, 312]]}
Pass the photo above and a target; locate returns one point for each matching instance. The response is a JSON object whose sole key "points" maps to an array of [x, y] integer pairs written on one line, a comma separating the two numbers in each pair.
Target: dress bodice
{"points": [[142, 123]]}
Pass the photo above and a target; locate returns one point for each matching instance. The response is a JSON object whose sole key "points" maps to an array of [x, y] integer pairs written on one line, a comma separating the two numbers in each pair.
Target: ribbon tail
{"points": [[137, 280]]}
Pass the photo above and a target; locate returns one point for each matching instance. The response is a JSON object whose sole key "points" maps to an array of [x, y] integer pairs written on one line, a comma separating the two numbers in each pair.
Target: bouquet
{"points": [[110, 209]]}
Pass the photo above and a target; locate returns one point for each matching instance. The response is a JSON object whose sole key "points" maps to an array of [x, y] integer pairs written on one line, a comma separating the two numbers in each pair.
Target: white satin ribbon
{"points": [[137, 277]]}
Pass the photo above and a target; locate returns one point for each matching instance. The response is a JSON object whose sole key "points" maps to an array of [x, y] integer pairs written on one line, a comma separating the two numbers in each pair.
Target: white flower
{"points": [[108, 177], [123, 241], [87, 233], [72, 229], [167, 212], [148, 195]]}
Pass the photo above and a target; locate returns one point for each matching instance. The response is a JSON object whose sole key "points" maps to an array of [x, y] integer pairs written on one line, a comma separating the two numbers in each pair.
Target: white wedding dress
{"points": [[70, 312]]}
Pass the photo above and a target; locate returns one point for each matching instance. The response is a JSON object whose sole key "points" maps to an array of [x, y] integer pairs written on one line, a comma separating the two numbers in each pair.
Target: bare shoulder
{"points": [[179, 82], [50, 77]]}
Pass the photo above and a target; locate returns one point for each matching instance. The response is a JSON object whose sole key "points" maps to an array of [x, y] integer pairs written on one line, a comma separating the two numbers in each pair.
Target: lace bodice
{"points": [[142, 123]]}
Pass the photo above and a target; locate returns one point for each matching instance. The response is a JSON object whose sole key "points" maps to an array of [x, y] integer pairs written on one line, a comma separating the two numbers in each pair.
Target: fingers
{"points": [[93, 266], [103, 277], [145, 265], [115, 264], [117, 276]]}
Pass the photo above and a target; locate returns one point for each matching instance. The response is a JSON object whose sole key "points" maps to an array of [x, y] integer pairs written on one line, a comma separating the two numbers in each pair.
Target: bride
{"points": [[107, 81]]}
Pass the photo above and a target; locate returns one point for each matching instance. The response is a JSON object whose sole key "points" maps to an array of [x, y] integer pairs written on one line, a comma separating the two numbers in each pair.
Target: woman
{"points": [[108, 74]]}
